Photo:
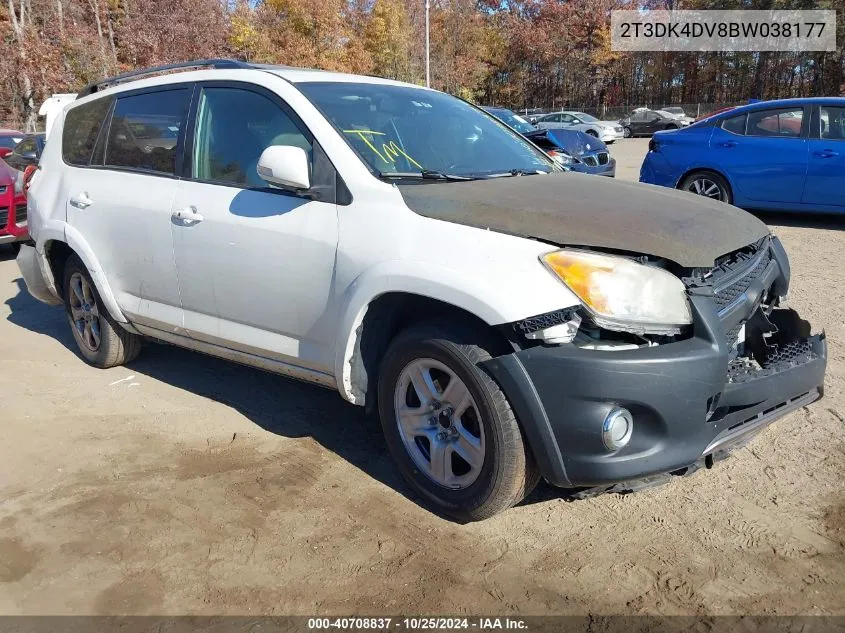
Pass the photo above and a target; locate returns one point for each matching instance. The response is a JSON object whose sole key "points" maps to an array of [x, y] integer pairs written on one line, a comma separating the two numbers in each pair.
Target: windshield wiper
{"points": [[515, 172], [425, 174]]}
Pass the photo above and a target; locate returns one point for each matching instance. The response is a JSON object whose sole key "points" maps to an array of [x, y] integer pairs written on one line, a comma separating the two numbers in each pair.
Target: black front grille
{"points": [[780, 358], [543, 321], [4, 216], [727, 294], [592, 161], [603, 158], [20, 213]]}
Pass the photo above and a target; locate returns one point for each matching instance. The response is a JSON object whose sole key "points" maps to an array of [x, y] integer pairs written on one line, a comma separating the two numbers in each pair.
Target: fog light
{"points": [[617, 429]]}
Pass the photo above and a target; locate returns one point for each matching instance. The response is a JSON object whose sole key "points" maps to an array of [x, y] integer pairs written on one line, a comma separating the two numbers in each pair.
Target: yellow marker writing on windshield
{"points": [[391, 150]]}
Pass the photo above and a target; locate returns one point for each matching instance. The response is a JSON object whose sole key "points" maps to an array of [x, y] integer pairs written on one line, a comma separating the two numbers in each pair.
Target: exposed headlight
{"points": [[562, 158], [621, 294]]}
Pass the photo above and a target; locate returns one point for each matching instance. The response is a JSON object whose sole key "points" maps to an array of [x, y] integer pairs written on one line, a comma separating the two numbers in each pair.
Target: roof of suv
{"points": [[154, 75]]}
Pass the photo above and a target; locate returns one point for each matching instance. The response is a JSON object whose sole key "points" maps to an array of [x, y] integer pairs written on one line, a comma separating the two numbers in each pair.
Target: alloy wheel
{"points": [[84, 314], [703, 186], [439, 423]]}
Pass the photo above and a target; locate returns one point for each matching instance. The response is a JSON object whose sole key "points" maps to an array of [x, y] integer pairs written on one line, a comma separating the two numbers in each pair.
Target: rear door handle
{"points": [[82, 201], [188, 214], [826, 153]]}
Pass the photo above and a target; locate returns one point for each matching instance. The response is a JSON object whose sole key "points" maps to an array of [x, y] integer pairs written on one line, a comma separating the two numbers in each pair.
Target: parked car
{"points": [[573, 149], [12, 206], [678, 113], [506, 320], [578, 151], [26, 152], [508, 117], [642, 122], [787, 155], [707, 115], [606, 131], [52, 106], [8, 140]]}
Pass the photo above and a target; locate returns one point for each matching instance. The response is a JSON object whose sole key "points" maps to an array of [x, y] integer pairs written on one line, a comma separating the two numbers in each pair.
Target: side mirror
{"points": [[655, 120], [285, 166]]}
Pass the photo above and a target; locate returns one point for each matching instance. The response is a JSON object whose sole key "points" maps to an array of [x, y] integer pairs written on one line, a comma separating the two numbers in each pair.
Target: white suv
{"points": [[505, 319]]}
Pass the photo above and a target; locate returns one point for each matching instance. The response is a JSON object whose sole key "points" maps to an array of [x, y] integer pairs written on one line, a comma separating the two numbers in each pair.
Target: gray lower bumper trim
{"points": [[761, 420]]}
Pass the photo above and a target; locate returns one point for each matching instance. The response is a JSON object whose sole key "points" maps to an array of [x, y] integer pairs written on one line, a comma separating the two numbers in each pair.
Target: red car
{"points": [[13, 229], [8, 140]]}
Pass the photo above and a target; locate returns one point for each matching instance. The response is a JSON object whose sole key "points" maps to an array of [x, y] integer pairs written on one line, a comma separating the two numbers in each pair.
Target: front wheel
{"points": [[448, 425], [627, 132], [708, 184], [101, 341], [593, 133]]}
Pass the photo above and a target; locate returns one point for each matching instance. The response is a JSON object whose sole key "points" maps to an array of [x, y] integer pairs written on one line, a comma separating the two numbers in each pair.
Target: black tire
{"points": [[16, 248], [116, 346], [509, 471], [705, 179], [593, 133], [671, 127], [628, 132]]}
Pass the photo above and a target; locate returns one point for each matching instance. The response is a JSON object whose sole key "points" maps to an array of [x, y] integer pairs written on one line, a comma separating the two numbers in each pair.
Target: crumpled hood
{"points": [[572, 209], [574, 142]]}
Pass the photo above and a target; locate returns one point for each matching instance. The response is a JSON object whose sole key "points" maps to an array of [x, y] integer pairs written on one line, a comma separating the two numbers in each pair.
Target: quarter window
{"points": [[785, 122], [27, 146], [735, 124], [144, 130], [832, 123], [82, 124], [233, 128]]}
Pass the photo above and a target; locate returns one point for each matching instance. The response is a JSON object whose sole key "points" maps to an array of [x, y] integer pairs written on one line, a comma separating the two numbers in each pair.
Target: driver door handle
{"points": [[188, 214], [826, 153], [728, 144], [82, 201]]}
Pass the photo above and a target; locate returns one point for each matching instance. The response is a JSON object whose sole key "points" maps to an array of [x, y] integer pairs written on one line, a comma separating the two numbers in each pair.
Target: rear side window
{"points": [[82, 124], [832, 123], [735, 125], [785, 122], [144, 130]]}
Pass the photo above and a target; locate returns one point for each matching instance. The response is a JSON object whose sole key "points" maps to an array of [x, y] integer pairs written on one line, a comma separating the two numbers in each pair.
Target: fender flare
{"points": [[78, 245], [490, 302]]}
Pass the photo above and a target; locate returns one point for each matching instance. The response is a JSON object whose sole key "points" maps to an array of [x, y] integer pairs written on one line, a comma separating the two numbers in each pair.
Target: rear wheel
{"points": [[449, 426], [708, 184], [102, 342]]}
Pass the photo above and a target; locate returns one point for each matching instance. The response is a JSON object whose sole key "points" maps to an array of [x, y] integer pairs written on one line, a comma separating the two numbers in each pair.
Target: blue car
{"points": [[772, 155], [573, 149]]}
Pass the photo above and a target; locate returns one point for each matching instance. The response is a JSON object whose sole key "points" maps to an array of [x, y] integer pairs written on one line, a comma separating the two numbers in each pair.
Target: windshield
{"points": [[589, 118], [402, 129]]}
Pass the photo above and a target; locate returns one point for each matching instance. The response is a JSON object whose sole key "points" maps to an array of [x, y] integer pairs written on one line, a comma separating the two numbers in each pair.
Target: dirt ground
{"points": [[184, 484]]}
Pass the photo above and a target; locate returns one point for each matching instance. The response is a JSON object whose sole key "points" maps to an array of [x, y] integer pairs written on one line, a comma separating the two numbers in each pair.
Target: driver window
{"points": [[27, 146], [233, 128]]}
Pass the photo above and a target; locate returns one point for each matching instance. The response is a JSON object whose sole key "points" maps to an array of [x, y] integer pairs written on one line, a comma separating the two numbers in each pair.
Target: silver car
{"points": [[607, 131]]}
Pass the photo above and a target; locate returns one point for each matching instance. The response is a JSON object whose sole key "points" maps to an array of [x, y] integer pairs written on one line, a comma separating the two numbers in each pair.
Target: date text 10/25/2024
{"points": [[417, 624]]}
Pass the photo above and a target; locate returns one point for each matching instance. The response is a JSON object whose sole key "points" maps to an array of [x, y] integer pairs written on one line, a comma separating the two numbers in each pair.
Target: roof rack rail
{"points": [[96, 86]]}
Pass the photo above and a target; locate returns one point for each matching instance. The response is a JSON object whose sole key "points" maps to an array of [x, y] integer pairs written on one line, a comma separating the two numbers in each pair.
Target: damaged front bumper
{"points": [[692, 400]]}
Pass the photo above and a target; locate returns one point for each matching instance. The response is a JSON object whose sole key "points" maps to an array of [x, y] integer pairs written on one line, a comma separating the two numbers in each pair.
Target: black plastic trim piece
{"points": [[220, 64], [523, 397]]}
